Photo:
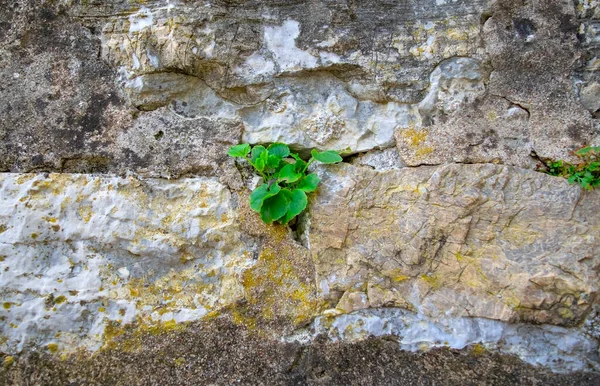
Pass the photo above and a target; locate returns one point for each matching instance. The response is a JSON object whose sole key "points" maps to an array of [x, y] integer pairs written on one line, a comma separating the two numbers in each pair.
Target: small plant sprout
{"points": [[586, 174], [282, 196]]}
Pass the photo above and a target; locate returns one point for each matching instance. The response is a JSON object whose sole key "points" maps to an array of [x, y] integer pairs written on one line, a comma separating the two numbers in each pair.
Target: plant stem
{"points": [[310, 161]]}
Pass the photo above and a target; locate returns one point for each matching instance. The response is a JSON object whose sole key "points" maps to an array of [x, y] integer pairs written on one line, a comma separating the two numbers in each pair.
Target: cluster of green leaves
{"points": [[586, 173], [282, 196]]}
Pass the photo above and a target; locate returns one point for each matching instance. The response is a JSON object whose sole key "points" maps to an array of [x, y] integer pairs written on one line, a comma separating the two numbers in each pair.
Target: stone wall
{"points": [[120, 211]]}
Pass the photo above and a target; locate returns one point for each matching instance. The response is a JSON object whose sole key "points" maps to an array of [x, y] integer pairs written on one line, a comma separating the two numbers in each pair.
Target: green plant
{"points": [[585, 173], [282, 196]]}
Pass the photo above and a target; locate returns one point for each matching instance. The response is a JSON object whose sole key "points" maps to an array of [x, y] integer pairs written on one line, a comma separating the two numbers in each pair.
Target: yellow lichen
{"points": [[52, 347], [85, 212], [424, 151], [273, 287], [566, 313], [414, 137], [24, 178], [130, 337], [6, 305], [433, 281], [478, 349], [8, 361]]}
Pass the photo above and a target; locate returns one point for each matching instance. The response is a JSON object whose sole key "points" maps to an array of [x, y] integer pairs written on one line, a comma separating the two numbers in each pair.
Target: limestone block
{"points": [[82, 256], [486, 241]]}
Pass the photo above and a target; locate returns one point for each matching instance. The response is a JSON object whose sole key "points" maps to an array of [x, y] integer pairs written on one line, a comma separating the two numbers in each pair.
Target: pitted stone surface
{"points": [[560, 348], [327, 75], [83, 255], [409, 90], [459, 240]]}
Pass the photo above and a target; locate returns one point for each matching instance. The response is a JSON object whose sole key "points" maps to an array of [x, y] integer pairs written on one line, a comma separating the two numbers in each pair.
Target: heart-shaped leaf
{"points": [[280, 150], [239, 150], [297, 203], [274, 208], [300, 164], [309, 183], [262, 193], [256, 152], [273, 161], [326, 157], [288, 174]]}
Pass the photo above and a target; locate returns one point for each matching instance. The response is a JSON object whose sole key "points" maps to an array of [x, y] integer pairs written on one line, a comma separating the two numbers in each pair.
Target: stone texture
{"points": [[405, 241], [63, 109], [483, 241], [328, 75], [82, 255], [560, 348], [223, 353], [83, 258]]}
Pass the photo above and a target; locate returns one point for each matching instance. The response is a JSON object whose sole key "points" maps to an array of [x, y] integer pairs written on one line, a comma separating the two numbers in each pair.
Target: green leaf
{"points": [[239, 150], [259, 164], [262, 193], [300, 164], [298, 201], [256, 152], [288, 174], [280, 150], [326, 157], [274, 208], [309, 183], [261, 161], [273, 161], [584, 151]]}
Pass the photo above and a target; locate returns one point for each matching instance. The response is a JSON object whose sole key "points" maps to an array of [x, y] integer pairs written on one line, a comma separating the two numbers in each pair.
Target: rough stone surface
{"points": [[63, 109], [81, 255], [556, 347], [485, 241], [224, 353], [329, 74], [433, 234]]}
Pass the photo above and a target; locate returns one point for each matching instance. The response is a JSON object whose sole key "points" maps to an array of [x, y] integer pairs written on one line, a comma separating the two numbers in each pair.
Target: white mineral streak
{"points": [[78, 252], [140, 20], [306, 108], [561, 349], [453, 83], [281, 41]]}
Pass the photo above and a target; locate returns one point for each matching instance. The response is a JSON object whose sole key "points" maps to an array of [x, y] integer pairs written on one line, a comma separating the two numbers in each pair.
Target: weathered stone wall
{"points": [[120, 212]]}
